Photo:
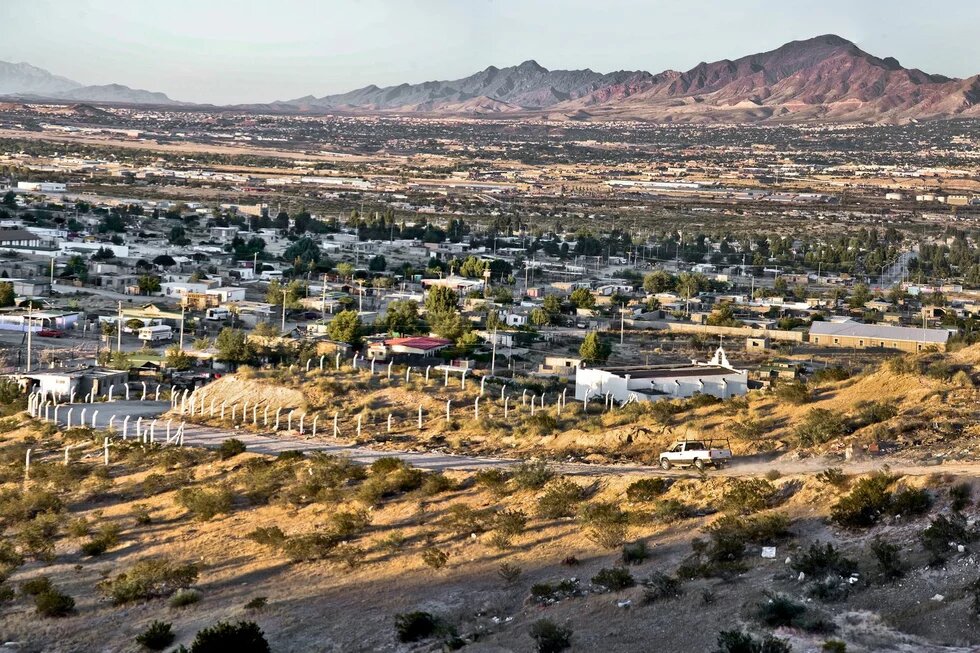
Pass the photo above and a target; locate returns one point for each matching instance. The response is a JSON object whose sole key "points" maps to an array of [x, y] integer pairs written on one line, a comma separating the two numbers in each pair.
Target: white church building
{"points": [[657, 382]]}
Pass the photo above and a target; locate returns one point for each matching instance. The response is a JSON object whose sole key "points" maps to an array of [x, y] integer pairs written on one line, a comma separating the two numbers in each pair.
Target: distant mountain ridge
{"points": [[823, 78], [22, 80]]}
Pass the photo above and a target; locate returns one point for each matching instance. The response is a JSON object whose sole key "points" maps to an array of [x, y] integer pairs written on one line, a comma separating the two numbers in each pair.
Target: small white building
{"points": [[657, 382]]}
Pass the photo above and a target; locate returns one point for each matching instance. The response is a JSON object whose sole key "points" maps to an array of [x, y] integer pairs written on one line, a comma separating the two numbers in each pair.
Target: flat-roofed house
{"points": [[856, 335]]}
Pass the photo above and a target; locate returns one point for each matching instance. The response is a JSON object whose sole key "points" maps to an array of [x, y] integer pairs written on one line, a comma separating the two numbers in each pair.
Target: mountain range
{"points": [[826, 78]]}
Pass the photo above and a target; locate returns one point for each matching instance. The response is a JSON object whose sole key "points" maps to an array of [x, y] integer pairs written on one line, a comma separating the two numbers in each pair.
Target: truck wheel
{"points": [[699, 464], [664, 464]]}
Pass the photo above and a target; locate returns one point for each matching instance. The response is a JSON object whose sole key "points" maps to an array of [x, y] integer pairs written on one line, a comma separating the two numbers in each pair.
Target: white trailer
{"points": [[156, 333]]}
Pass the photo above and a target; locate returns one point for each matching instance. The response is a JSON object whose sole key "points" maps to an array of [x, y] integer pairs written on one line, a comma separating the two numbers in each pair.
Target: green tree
{"points": [[377, 263], [860, 295], [303, 252], [176, 359], [345, 270], [232, 346], [540, 317], [402, 316], [178, 236], [448, 324], [77, 267], [723, 316], [582, 298], [7, 296], [148, 284], [10, 200], [440, 299], [594, 349], [658, 281], [345, 327]]}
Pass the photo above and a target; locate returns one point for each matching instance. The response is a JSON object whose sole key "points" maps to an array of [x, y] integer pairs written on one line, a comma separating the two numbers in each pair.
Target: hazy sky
{"points": [[227, 51]]}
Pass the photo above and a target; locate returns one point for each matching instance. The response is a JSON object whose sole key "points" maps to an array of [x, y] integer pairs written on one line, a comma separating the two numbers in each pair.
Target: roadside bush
{"points": [[910, 502], [779, 612], [961, 496], [311, 546], [184, 597], [659, 587], [560, 498], [820, 425], [833, 476], [605, 524], [415, 626], [205, 504], [886, 556], [549, 637], [493, 479], [943, 533], [671, 510], [747, 495], [510, 523], [437, 483], [635, 553], [54, 603], [148, 578], [157, 636], [734, 641], [462, 520], [793, 392], [230, 448], [824, 560], [647, 489], [348, 523], [532, 475], [541, 424], [873, 412], [866, 503], [240, 637], [104, 539], [614, 579]]}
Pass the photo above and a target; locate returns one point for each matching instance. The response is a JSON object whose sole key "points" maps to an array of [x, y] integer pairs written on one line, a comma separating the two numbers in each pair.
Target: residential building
{"points": [[856, 335]]}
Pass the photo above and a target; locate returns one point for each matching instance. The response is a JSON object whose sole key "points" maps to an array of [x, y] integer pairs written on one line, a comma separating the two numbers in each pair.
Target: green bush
{"points": [[462, 520], [560, 499], [873, 412], [230, 448], [614, 579], [415, 626], [205, 504], [310, 546], [157, 636], [493, 479], [734, 641], [910, 502], [141, 514], [960, 496], [830, 374], [531, 475], [35, 586], [659, 587], [647, 489], [886, 555], [510, 523], [944, 531], [268, 536], [257, 603], [434, 557], [184, 597], [37, 537], [240, 637], [606, 524], [793, 392], [824, 560], [509, 573], [148, 578], [866, 503], [437, 483], [671, 510], [820, 425], [780, 612], [747, 495], [54, 603], [348, 523], [833, 476], [104, 539], [635, 553], [549, 637]]}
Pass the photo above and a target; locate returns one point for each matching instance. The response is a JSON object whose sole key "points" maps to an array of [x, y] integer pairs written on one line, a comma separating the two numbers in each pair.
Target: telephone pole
{"points": [[30, 330]]}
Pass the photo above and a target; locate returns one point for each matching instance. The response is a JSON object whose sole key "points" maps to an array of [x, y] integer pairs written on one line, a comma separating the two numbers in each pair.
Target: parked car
{"points": [[696, 453], [51, 333]]}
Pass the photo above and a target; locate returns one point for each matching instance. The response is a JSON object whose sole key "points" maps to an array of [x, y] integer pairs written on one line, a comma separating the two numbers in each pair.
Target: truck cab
{"points": [[696, 453]]}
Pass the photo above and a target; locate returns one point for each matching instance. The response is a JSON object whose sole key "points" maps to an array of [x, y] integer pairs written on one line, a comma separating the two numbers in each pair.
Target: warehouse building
{"points": [[856, 335]]}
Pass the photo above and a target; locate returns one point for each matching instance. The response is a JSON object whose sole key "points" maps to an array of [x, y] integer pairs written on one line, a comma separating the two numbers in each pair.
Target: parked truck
{"points": [[156, 333], [218, 314], [696, 453]]}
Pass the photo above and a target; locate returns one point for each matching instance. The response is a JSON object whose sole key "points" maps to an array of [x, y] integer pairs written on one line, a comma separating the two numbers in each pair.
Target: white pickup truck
{"points": [[697, 453]]}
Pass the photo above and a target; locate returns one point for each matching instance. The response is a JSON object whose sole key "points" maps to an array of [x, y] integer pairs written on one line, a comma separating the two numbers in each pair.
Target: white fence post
{"points": [[125, 426], [95, 414], [449, 403], [68, 422], [315, 418], [506, 400], [105, 446], [389, 422], [336, 427], [420, 417], [143, 396], [359, 417], [476, 408]]}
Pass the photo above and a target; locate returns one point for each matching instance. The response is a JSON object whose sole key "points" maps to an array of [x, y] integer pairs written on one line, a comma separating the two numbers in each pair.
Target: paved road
{"points": [[267, 443]]}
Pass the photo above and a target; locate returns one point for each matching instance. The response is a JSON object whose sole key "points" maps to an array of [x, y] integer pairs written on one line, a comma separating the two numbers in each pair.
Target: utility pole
{"points": [[493, 353], [52, 273], [622, 323], [181, 340], [30, 324], [323, 298], [119, 325], [282, 328]]}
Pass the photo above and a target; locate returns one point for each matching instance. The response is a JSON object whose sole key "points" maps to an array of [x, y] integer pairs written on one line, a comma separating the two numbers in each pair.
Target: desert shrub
{"points": [[540, 424], [824, 560], [348, 523], [866, 503], [747, 495], [635, 553], [873, 412], [17, 506], [415, 626], [9, 558], [549, 637], [256, 603], [205, 504], [830, 374], [493, 479], [79, 527], [392, 542], [349, 555], [531, 475], [148, 578], [834, 646], [545, 593], [779, 612], [647, 489], [434, 557], [833, 476], [910, 502], [510, 523], [462, 520], [751, 429], [387, 465], [960, 496], [940, 370], [184, 597], [157, 636], [104, 539], [54, 603], [560, 498], [728, 537], [829, 588], [230, 448], [310, 546], [437, 483], [793, 392], [606, 524], [141, 514], [658, 587], [36, 538], [35, 586], [241, 637], [268, 536], [389, 477], [614, 578], [509, 573], [820, 425], [7, 593], [734, 641], [887, 558], [671, 510], [944, 531], [773, 475]]}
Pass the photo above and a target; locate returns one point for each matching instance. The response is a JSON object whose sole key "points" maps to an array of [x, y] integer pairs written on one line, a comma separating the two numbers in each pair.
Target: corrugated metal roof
{"points": [[879, 332]]}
